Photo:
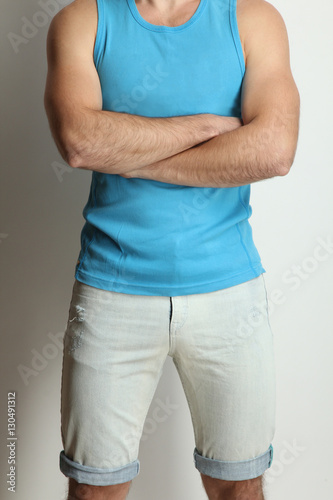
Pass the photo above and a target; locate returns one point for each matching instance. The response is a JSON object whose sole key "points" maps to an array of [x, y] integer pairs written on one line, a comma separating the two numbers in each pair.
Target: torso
{"points": [[149, 226]]}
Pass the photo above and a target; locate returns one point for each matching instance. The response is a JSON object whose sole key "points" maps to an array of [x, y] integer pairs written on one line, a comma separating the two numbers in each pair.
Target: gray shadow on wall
{"points": [[41, 219]]}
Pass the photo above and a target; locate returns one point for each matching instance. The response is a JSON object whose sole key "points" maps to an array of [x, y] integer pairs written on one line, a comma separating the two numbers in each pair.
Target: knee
{"points": [[215, 488], [80, 491]]}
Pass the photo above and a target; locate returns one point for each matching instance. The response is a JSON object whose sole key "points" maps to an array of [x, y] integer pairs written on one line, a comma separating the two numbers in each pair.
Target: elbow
{"points": [[73, 158], [72, 151], [66, 139], [81, 154], [287, 160], [285, 156], [284, 165], [286, 150], [69, 153]]}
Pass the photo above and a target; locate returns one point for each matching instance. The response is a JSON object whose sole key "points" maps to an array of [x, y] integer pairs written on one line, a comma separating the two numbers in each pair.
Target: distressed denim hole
{"points": [[75, 330], [80, 314]]}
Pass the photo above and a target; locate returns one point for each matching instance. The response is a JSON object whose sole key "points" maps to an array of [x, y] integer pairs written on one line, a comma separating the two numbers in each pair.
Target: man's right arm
{"points": [[91, 138]]}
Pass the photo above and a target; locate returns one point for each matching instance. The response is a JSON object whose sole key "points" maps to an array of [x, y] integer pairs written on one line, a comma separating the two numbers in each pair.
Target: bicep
{"points": [[72, 80], [269, 89]]}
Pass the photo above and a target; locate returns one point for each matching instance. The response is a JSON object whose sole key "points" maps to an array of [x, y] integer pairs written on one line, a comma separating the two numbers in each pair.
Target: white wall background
{"points": [[39, 243]]}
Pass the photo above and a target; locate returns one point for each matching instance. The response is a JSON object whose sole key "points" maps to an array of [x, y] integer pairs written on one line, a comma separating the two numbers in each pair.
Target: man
{"points": [[177, 106]]}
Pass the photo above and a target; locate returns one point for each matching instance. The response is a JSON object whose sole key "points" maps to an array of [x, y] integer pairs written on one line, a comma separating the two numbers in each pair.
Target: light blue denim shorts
{"points": [[115, 346]]}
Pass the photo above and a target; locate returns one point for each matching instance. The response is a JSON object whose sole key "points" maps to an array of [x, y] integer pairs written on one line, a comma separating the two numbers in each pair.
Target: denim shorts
{"points": [[115, 346]]}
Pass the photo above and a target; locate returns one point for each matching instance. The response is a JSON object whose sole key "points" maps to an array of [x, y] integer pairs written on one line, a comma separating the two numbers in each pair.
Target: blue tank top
{"points": [[152, 238]]}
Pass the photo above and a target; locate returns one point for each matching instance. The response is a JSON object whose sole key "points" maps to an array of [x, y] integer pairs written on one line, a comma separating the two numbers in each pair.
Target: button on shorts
{"points": [[115, 346]]}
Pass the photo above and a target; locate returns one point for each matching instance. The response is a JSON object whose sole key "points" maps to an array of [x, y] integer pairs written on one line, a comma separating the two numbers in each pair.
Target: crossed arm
{"points": [[265, 145], [250, 153], [227, 153]]}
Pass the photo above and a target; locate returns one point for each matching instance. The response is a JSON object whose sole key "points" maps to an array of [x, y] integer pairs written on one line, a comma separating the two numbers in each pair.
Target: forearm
{"points": [[248, 154], [111, 142]]}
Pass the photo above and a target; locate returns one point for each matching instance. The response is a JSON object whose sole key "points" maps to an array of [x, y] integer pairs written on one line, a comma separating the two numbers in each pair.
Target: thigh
{"points": [[115, 346], [225, 359]]}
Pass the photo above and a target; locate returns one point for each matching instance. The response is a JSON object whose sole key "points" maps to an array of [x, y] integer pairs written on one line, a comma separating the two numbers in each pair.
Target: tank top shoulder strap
{"points": [[109, 13]]}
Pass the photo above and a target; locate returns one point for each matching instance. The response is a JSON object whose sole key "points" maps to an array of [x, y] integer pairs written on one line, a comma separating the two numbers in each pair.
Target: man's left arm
{"points": [[265, 145]]}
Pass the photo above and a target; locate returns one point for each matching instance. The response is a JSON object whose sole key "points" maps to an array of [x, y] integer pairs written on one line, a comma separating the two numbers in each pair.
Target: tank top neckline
{"points": [[161, 28]]}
